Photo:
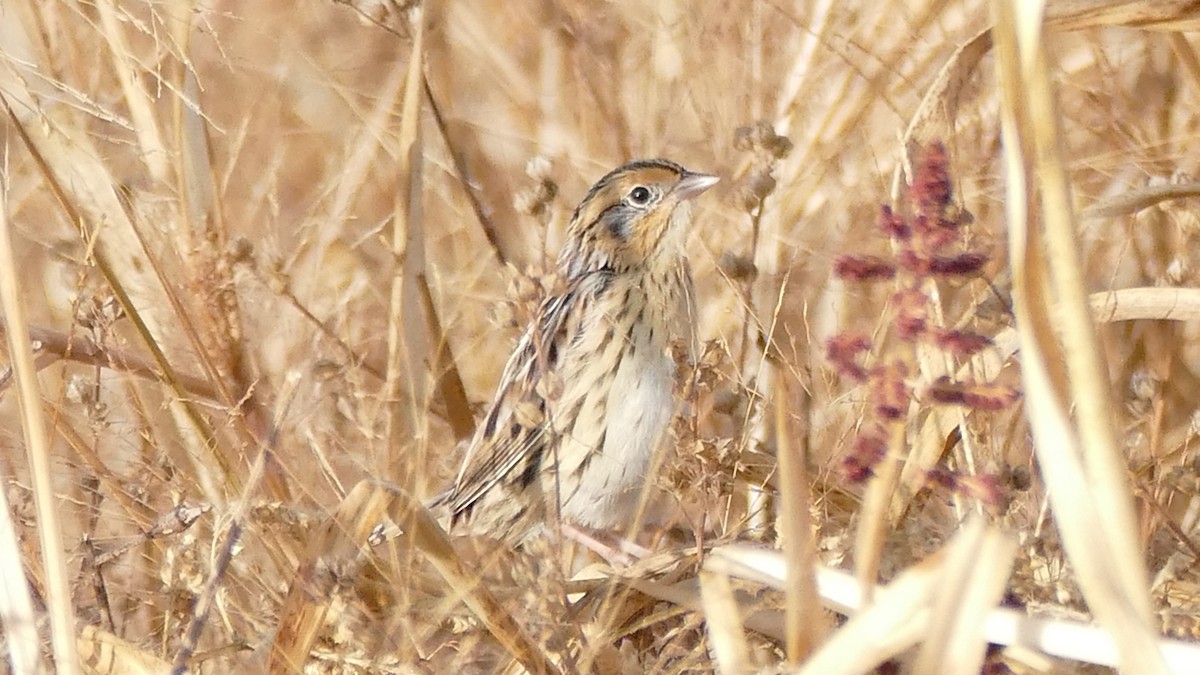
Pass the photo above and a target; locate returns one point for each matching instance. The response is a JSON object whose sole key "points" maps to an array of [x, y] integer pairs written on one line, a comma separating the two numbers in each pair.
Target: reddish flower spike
{"points": [[869, 449], [960, 343], [938, 238], [914, 262], [892, 225], [985, 488], [931, 189], [863, 268], [941, 477], [920, 225], [990, 396], [853, 471], [980, 396], [911, 313], [963, 264], [843, 351], [890, 393]]}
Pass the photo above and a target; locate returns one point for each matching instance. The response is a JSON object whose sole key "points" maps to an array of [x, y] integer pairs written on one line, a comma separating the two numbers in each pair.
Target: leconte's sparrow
{"points": [[590, 388]]}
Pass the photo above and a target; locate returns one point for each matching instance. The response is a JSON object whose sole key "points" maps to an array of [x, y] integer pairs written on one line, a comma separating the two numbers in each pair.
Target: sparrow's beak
{"points": [[693, 184]]}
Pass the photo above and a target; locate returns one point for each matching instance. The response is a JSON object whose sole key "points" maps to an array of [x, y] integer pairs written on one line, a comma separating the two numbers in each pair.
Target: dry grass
{"points": [[271, 255]]}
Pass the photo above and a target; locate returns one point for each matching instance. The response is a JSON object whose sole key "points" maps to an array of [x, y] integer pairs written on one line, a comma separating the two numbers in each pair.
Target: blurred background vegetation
{"points": [[251, 232]]}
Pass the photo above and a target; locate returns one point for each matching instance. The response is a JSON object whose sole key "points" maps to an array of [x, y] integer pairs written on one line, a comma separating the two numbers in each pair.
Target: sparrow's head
{"points": [[636, 216]]}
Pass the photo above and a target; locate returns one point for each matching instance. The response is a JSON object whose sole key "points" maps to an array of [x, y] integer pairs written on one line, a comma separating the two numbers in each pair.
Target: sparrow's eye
{"points": [[639, 196]]}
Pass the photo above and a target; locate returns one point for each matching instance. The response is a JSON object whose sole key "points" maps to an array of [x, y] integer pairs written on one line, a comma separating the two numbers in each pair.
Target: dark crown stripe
{"points": [[632, 166]]}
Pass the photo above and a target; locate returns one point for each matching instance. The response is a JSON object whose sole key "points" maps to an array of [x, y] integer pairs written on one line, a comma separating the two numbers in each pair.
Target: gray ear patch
{"points": [[618, 221]]}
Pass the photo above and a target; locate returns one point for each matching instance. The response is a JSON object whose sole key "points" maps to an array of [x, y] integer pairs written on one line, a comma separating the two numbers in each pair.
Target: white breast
{"points": [[640, 406]]}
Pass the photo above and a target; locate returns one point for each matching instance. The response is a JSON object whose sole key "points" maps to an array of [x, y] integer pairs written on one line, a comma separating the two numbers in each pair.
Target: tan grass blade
{"points": [[372, 138], [895, 619], [467, 30], [797, 78], [976, 571], [1079, 460], [1155, 303], [343, 538], [187, 324], [1168, 15], [86, 175], [1135, 200], [449, 384], [724, 624], [16, 603], [1151, 303], [1086, 373], [431, 540], [217, 574], [922, 604], [772, 624], [795, 526], [927, 449], [939, 106], [1066, 639], [204, 214], [310, 594], [141, 112], [106, 654], [37, 447], [407, 365], [873, 520], [82, 349], [191, 126], [1187, 56]]}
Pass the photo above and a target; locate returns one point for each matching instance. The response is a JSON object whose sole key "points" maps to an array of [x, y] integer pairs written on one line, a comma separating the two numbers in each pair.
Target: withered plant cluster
{"points": [[927, 244]]}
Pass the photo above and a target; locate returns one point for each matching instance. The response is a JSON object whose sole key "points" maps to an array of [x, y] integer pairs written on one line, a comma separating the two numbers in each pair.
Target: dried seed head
{"points": [[755, 190], [1176, 273], [240, 251], [98, 312], [1144, 388], [761, 137], [737, 267], [538, 194]]}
